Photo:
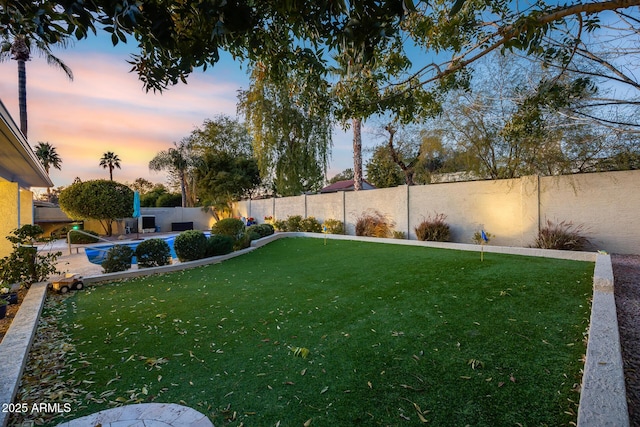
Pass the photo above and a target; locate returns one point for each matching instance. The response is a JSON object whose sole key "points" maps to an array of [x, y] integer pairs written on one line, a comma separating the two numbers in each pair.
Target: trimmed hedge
{"points": [[118, 259], [153, 253], [190, 245], [232, 227], [219, 244]]}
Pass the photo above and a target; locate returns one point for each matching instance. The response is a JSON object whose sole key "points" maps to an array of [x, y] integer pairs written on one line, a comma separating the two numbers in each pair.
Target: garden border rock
{"points": [[603, 396]]}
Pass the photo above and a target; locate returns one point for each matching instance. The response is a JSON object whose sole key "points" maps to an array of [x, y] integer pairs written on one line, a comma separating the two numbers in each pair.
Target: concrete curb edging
{"points": [[603, 396], [603, 399], [15, 346]]}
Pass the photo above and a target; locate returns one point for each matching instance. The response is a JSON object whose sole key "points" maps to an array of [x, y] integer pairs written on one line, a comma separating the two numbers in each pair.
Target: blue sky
{"points": [[105, 109]]}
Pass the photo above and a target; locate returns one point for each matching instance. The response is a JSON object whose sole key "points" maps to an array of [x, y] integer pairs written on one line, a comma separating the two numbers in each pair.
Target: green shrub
{"points": [[118, 259], [297, 223], [169, 200], [563, 235], [310, 225], [373, 224], [232, 227], [83, 239], [219, 244], [280, 225], [244, 241], [334, 226], [434, 229], [262, 230], [294, 223], [25, 264], [190, 245], [153, 253]]}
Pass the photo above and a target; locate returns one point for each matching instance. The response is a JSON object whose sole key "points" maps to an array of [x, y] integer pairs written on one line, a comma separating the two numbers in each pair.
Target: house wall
{"points": [[9, 212], [26, 207], [16, 210], [606, 205]]}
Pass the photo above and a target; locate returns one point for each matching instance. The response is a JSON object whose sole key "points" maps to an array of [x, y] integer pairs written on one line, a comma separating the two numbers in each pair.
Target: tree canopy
{"points": [[440, 39], [99, 199], [226, 169]]}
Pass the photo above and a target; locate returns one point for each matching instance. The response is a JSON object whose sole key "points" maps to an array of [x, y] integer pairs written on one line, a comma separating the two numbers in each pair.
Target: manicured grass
{"points": [[396, 335]]}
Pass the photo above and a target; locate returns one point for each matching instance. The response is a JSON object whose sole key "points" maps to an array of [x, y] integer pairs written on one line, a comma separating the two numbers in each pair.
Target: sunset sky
{"points": [[105, 109]]}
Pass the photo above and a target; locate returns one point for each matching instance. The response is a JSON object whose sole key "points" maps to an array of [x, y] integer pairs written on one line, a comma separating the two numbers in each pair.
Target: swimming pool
{"points": [[97, 253]]}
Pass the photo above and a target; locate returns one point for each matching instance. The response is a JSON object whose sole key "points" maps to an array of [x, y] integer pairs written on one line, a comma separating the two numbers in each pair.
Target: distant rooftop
{"points": [[346, 185]]}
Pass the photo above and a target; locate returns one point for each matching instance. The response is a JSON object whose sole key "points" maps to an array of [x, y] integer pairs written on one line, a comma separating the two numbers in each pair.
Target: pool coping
{"points": [[603, 394]]}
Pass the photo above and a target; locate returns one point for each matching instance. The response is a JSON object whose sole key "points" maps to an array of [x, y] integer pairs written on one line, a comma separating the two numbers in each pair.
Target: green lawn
{"points": [[398, 335]]}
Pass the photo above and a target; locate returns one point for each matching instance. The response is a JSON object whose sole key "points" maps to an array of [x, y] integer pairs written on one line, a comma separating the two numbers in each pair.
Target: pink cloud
{"points": [[106, 109]]}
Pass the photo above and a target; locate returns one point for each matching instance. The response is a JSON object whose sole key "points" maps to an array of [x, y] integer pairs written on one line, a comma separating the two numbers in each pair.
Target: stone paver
{"points": [[143, 415]]}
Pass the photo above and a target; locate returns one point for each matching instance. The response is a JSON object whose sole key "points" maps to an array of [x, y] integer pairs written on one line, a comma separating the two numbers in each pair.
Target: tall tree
{"points": [[177, 160], [514, 122], [48, 156], [110, 160], [441, 39], [223, 178], [99, 199], [19, 49], [381, 170], [289, 117], [142, 186]]}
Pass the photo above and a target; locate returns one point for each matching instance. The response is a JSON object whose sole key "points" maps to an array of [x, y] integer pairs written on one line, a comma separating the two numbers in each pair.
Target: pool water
{"points": [[96, 254]]}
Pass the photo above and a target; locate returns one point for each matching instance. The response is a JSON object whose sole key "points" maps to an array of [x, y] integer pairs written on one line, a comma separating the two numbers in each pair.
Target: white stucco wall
{"points": [[606, 204]]}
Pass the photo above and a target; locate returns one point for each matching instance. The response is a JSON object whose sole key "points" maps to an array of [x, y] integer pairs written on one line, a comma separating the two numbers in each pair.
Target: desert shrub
{"points": [[311, 225], [262, 230], [294, 223], [334, 226], [82, 239], [434, 229], [373, 224], [190, 245], [563, 235], [232, 227], [153, 253], [280, 225], [219, 244], [118, 259], [400, 235]]}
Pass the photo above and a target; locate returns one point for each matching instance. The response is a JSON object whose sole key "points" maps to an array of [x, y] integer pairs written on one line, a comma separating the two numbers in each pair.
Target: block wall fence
{"points": [[606, 204]]}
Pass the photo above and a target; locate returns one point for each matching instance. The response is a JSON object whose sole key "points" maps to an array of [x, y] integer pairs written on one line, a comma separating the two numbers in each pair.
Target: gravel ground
{"points": [[626, 272]]}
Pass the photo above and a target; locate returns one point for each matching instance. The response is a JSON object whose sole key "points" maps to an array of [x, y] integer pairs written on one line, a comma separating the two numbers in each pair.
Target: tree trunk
{"points": [[357, 154], [22, 96], [408, 171], [183, 189]]}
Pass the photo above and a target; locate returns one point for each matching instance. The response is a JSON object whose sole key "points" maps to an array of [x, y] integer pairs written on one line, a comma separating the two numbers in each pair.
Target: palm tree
{"points": [[48, 156], [20, 50], [178, 161], [110, 160]]}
